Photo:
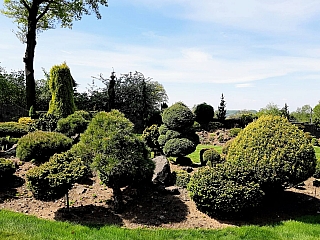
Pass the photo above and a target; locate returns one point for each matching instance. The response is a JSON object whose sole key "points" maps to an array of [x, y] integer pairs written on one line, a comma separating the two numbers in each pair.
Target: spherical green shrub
{"points": [[75, 123], [178, 117], [13, 129], [41, 145], [7, 168], [211, 157], [54, 178], [204, 113], [278, 150], [178, 147], [225, 190]]}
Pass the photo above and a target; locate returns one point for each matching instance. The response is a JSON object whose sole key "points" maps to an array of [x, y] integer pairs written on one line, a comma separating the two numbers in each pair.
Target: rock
{"points": [[10, 152], [174, 190], [187, 169], [81, 190], [162, 172]]}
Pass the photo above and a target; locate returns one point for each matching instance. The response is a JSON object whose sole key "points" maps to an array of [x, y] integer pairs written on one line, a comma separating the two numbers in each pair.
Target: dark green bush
{"points": [[110, 146], [54, 178], [204, 113], [41, 145], [13, 129], [178, 147], [75, 123], [225, 190], [7, 168], [150, 136], [182, 178], [46, 122], [211, 157], [279, 151], [212, 126], [178, 117]]}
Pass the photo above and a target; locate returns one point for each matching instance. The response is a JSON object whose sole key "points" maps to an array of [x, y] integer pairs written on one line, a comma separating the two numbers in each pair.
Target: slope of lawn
{"points": [[17, 226]]}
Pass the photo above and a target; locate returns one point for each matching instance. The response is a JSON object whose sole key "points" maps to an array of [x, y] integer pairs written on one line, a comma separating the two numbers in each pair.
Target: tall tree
{"points": [[270, 109], [285, 111], [221, 115], [302, 114], [34, 16]]}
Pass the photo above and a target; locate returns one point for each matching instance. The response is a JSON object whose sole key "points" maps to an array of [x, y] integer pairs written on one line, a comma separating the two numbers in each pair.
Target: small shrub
{"points": [[150, 136], [225, 190], [7, 168], [46, 122], [196, 126], [234, 132], [177, 147], [54, 178], [182, 178], [213, 126], [211, 157], [75, 123], [13, 129], [41, 145], [25, 120]]}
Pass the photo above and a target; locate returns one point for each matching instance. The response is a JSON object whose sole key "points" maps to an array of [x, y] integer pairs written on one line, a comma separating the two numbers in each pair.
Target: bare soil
{"points": [[91, 204]]}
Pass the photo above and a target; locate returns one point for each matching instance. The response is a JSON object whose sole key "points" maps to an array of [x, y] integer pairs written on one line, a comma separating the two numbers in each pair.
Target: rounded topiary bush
{"points": [[178, 117], [75, 123], [177, 147], [40, 146], [13, 129], [150, 136], [7, 168], [54, 178], [225, 190], [211, 157], [279, 152]]}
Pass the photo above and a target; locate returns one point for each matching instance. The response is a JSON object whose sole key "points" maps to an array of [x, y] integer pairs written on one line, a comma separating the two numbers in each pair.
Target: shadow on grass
{"points": [[89, 215], [8, 187], [153, 208], [284, 206]]}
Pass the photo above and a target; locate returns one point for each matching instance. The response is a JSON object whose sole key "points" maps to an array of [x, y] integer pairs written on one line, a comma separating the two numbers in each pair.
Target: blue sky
{"points": [[255, 52]]}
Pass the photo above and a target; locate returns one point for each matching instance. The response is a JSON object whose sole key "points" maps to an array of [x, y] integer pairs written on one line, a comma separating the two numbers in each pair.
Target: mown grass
{"points": [[17, 226], [317, 150], [195, 156]]}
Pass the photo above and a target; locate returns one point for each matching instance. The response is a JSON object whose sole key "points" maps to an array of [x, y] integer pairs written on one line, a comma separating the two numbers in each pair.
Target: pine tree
{"points": [[222, 109]]}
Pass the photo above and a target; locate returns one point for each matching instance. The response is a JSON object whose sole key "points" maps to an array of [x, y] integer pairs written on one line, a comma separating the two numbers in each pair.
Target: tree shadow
{"points": [[89, 215], [286, 205], [153, 207], [8, 187]]}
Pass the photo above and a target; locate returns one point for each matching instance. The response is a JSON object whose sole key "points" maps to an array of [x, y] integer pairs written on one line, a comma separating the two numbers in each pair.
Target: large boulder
{"points": [[162, 173]]}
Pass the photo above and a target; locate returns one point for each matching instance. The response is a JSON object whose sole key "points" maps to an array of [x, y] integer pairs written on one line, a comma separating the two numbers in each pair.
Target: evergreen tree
{"points": [[222, 109]]}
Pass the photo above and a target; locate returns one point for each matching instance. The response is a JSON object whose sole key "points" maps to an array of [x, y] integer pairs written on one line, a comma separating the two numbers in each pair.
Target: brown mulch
{"points": [[91, 204]]}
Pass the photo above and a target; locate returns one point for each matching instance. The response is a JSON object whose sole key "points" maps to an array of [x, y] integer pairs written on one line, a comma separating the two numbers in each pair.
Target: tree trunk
{"points": [[29, 57]]}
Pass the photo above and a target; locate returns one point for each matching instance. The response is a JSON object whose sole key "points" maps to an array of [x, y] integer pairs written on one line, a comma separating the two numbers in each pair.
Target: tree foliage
{"points": [[302, 114], [221, 114], [270, 109], [204, 113], [35, 16]]}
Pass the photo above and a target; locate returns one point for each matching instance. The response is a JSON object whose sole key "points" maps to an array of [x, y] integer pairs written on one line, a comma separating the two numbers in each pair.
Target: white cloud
{"points": [[244, 85]]}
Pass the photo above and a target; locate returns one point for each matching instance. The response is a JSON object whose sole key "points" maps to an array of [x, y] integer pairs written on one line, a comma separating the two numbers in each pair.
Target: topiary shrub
{"points": [[75, 123], [279, 152], [178, 147], [40, 146], [211, 157], [46, 122], [150, 136], [13, 129], [182, 178], [177, 136], [204, 113], [54, 178], [225, 190], [178, 117], [61, 86], [121, 158], [7, 168]]}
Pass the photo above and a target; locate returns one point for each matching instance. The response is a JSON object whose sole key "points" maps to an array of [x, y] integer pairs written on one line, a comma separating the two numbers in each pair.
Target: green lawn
{"points": [[17, 226], [195, 156], [317, 150]]}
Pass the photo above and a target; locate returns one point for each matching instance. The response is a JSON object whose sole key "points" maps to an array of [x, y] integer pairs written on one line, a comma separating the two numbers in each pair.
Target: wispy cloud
{"points": [[244, 85]]}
